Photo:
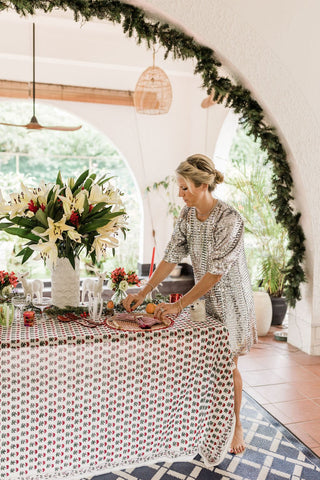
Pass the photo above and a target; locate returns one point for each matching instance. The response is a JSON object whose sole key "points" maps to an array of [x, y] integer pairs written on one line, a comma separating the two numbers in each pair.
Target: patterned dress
{"points": [[216, 246]]}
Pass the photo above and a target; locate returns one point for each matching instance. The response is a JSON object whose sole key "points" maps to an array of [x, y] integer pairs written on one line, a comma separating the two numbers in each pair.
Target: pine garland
{"points": [[135, 22]]}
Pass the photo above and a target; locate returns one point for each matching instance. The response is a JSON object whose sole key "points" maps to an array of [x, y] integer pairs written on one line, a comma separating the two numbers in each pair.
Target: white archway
{"points": [[70, 153]]}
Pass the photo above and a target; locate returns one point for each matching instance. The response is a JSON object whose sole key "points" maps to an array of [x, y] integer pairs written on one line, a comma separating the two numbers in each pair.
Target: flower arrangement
{"points": [[7, 282], [120, 280], [62, 219]]}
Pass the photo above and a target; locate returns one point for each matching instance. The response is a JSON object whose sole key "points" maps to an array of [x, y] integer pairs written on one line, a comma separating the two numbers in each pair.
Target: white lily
{"points": [[55, 229], [100, 245], [96, 195], [74, 235], [71, 203], [18, 204], [112, 226], [113, 198], [48, 251]]}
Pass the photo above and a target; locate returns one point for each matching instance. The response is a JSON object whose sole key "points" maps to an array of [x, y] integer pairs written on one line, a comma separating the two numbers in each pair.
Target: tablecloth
{"points": [[77, 401]]}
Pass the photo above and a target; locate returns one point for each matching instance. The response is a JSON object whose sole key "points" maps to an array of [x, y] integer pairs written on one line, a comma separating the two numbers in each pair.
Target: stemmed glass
{"points": [[19, 302], [43, 303]]}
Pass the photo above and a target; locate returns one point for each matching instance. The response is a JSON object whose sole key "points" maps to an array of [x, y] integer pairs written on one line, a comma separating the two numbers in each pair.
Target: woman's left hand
{"points": [[164, 309]]}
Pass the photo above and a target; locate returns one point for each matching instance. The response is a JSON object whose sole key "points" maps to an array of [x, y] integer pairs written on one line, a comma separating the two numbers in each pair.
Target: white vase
{"points": [[65, 283], [263, 310]]}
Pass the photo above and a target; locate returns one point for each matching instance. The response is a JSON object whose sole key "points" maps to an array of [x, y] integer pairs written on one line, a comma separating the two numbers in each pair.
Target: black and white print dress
{"points": [[216, 246]]}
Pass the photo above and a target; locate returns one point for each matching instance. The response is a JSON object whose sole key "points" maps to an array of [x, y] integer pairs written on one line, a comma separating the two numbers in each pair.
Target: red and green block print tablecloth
{"points": [[77, 401]]}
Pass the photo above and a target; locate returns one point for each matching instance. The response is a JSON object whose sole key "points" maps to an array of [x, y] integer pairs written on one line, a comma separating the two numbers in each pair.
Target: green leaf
{"points": [[85, 209], [39, 229], [27, 254], [104, 179], [23, 233], [41, 217], [22, 252], [50, 195], [59, 180], [88, 183], [5, 225], [50, 209], [98, 207], [23, 221], [71, 259], [80, 180]]}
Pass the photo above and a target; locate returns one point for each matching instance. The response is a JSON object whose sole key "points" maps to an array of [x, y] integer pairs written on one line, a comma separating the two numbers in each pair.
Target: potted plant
{"points": [[273, 279]]}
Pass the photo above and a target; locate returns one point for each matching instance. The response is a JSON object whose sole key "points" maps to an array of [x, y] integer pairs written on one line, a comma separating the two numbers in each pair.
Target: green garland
{"points": [[135, 21]]}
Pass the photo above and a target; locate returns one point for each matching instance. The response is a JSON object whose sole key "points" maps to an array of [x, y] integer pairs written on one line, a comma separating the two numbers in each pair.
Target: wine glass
{"points": [[19, 302], [42, 303]]}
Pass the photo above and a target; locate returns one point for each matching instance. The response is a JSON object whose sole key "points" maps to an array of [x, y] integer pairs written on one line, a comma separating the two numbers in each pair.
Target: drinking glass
{"points": [[43, 303], [19, 302], [95, 307]]}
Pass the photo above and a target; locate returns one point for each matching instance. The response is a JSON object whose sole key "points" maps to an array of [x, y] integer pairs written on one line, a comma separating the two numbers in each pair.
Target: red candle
{"points": [[28, 318], [152, 262]]}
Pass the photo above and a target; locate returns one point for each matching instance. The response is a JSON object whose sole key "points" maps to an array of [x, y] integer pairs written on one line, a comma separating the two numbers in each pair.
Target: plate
{"points": [[132, 325]]}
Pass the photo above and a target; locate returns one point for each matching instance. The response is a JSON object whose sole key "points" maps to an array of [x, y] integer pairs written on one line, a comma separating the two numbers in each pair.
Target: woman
{"points": [[211, 232]]}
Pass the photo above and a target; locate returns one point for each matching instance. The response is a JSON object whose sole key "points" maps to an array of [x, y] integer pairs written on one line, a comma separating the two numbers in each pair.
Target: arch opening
{"points": [[32, 157]]}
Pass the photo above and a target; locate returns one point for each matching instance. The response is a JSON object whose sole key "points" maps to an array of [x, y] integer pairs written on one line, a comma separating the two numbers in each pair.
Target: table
{"points": [[77, 402]]}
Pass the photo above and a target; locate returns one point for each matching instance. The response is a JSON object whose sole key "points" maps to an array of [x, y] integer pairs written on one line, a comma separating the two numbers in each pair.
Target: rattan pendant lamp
{"points": [[153, 92]]}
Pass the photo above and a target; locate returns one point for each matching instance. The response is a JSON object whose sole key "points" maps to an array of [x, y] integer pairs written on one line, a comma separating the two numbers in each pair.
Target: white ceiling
{"points": [[94, 54]]}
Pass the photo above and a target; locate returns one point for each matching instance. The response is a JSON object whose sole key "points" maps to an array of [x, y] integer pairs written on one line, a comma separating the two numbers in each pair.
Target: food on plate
{"points": [[147, 322]]}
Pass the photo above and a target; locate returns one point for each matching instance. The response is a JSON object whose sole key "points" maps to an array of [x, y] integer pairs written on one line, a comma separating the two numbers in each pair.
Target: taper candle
{"points": [[152, 262]]}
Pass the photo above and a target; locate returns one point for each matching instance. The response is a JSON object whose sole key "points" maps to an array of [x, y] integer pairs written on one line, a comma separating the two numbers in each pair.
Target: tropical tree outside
{"points": [[32, 156]]}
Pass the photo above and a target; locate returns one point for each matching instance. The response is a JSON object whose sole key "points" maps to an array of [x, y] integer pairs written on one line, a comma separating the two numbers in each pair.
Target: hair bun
{"points": [[219, 177]]}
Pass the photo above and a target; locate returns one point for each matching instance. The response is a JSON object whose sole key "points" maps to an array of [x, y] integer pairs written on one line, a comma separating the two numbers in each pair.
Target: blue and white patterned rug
{"points": [[272, 453]]}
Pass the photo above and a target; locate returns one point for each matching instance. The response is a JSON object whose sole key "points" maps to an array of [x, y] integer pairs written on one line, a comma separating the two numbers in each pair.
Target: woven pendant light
{"points": [[153, 92]]}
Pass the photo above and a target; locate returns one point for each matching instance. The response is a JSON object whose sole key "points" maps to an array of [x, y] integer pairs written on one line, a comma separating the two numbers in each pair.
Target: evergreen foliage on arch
{"points": [[135, 21]]}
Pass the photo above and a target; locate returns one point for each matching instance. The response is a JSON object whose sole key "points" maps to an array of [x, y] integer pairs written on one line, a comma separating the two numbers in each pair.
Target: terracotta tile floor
{"points": [[286, 382]]}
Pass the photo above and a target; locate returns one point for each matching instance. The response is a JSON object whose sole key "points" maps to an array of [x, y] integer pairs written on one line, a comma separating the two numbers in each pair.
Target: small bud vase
{"points": [[118, 297]]}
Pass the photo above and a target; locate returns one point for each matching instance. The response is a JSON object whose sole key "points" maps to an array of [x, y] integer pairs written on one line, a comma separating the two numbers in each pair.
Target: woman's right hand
{"points": [[132, 301]]}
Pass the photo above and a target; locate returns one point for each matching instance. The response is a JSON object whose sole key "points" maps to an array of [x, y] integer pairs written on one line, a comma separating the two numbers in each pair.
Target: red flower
{"points": [[133, 278], [7, 279], [43, 207], [32, 207], [119, 274], [75, 219]]}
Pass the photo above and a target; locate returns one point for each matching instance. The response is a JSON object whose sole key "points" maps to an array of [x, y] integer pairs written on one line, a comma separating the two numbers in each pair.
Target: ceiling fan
{"points": [[34, 124]]}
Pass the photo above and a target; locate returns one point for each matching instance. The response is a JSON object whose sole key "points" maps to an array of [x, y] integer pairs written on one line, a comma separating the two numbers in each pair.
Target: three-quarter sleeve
{"points": [[227, 242], [177, 247]]}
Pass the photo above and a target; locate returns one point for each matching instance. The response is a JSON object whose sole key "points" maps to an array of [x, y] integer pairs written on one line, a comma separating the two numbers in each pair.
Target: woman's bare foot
{"points": [[237, 445]]}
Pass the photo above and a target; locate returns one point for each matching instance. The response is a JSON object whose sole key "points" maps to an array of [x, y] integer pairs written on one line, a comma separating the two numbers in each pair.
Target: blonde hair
{"points": [[200, 169]]}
